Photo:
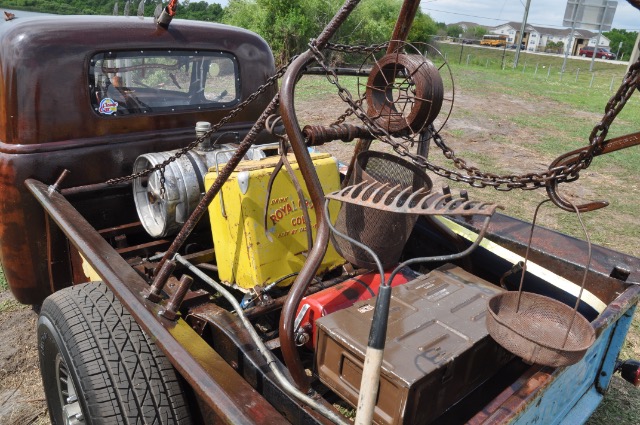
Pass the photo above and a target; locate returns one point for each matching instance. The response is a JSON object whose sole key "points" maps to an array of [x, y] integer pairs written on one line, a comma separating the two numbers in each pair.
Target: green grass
{"points": [[10, 305], [3, 282]]}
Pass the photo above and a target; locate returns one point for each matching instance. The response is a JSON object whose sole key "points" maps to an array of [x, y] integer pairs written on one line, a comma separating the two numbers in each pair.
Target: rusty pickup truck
{"points": [[197, 262]]}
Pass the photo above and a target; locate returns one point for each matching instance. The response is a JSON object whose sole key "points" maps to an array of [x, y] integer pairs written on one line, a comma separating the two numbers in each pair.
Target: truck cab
{"points": [[63, 92]]}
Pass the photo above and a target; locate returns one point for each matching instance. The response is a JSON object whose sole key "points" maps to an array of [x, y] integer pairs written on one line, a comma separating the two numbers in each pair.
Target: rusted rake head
{"points": [[385, 197]]}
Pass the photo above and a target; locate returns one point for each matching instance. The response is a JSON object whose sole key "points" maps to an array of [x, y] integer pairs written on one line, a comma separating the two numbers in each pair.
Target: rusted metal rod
{"points": [[296, 138], [93, 188], [173, 306], [161, 279], [403, 24]]}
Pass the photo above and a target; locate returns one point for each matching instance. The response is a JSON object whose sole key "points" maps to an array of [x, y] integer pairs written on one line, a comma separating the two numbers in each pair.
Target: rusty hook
{"points": [[568, 159]]}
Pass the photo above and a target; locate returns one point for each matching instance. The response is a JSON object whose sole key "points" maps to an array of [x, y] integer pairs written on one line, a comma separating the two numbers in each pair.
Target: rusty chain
{"points": [[235, 111], [354, 49], [467, 174], [473, 175]]}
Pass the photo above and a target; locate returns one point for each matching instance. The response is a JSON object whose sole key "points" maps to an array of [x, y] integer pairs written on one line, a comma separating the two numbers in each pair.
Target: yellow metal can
{"points": [[248, 254]]}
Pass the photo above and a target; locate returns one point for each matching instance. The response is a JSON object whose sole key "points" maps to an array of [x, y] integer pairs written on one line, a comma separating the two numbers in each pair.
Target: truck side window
{"points": [[141, 82]]}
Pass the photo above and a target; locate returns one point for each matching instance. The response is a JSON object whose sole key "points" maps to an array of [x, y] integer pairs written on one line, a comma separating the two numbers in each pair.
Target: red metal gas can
{"points": [[343, 295]]}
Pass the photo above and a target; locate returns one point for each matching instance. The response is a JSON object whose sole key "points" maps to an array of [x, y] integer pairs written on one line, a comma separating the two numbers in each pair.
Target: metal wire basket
{"points": [[538, 328], [385, 232]]}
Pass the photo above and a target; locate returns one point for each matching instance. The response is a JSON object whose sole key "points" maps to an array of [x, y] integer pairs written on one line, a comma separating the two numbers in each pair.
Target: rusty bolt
{"points": [[153, 294], [171, 312]]}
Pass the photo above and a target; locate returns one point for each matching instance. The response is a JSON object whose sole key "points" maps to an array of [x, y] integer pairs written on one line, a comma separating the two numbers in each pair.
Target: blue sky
{"points": [[494, 12]]}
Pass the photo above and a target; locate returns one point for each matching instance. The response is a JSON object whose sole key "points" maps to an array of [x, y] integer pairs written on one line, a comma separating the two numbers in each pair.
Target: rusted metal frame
{"points": [[350, 72], [513, 396], [403, 24], [223, 176], [112, 232], [296, 138], [60, 274], [212, 379], [230, 338], [143, 246], [564, 255], [617, 308]]}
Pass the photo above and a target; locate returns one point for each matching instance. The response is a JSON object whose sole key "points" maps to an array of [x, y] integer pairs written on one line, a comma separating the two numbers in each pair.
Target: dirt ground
{"points": [[21, 398]]}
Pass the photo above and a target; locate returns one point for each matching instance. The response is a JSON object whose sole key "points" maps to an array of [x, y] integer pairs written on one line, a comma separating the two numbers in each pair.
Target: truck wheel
{"points": [[99, 368]]}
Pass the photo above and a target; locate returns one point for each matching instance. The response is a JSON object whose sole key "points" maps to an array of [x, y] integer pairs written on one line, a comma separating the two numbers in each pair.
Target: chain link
{"points": [[343, 48], [472, 175], [235, 111], [467, 174]]}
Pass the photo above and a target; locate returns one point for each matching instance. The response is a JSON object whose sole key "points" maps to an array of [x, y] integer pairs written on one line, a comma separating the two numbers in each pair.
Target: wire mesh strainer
{"points": [[384, 232], [538, 328]]}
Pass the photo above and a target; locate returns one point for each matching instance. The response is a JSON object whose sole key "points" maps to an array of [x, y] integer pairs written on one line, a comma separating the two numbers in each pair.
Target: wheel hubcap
{"points": [[71, 410]]}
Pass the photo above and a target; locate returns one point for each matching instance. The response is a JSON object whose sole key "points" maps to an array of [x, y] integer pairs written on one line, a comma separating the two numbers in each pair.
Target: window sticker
{"points": [[108, 106]]}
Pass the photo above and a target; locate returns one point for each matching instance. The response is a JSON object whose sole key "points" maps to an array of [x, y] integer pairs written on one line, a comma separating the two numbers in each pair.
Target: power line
{"points": [[503, 20]]}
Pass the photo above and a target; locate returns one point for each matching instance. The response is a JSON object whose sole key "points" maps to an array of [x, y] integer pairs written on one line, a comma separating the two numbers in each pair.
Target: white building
{"points": [[536, 37]]}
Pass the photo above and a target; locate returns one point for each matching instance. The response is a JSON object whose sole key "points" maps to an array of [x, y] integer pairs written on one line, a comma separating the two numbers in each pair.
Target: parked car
{"points": [[603, 53], [513, 46]]}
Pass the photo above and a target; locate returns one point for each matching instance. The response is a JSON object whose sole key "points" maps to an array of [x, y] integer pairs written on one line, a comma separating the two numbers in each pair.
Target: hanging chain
{"points": [[354, 49], [472, 175], [235, 111]]}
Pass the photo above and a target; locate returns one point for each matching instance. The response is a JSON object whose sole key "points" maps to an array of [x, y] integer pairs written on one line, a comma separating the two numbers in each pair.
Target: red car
{"points": [[603, 53]]}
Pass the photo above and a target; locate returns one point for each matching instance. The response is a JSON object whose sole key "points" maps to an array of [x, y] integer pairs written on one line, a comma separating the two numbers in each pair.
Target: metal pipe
{"points": [[403, 24], [93, 188], [296, 138], [272, 362]]}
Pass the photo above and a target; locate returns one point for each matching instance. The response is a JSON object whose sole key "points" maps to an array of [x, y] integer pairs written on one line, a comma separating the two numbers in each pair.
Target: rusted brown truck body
{"points": [[53, 235], [47, 124]]}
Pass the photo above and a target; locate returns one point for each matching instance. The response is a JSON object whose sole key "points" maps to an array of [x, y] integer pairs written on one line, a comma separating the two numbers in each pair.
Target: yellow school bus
{"points": [[494, 40]]}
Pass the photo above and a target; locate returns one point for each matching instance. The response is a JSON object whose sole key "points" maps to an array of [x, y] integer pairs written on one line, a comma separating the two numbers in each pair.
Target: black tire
{"points": [[89, 344]]}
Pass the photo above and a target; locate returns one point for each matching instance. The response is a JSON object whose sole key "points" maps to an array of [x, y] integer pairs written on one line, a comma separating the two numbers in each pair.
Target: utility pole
{"points": [[522, 28]]}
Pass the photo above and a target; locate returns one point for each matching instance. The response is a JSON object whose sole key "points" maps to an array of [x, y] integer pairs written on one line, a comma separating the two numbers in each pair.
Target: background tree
{"points": [[628, 39], [454, 31], [475, 33], [288, 25]]}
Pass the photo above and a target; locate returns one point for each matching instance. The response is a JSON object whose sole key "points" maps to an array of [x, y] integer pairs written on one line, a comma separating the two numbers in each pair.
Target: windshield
{"points": [[141, 82]]}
